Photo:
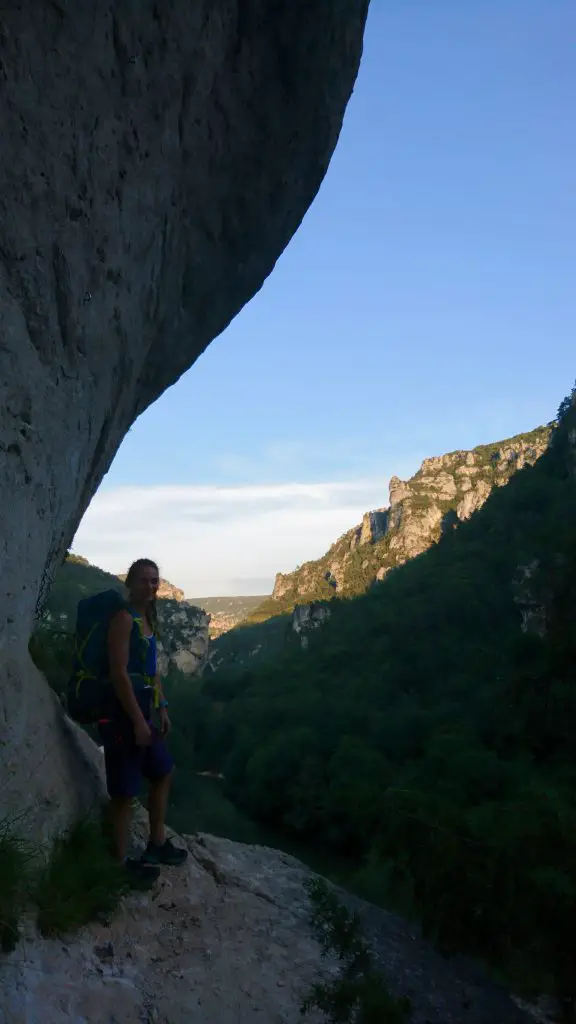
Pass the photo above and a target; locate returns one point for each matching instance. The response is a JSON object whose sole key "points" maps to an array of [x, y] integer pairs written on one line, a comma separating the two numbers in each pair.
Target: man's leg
{"points": [[120, 817], [157, 804], [123, 778], [157, 768]]}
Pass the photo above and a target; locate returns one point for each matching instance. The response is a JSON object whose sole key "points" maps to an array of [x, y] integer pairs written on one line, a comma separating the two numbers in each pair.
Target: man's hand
{"points": [[165, 723]]}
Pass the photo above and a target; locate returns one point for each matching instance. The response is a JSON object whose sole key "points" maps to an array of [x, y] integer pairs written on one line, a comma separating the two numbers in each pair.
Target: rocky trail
{"points": [[226, 939]]}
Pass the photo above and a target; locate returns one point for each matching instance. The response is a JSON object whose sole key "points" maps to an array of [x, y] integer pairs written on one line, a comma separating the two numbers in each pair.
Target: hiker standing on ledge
{"points": [[133, 745]]}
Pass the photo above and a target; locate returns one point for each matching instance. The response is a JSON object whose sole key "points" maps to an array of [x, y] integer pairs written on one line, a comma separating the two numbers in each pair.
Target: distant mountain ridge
{"points": [[226, 612], [444, 492]]}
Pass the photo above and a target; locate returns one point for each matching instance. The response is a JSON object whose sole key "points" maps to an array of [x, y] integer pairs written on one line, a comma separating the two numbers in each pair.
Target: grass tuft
{"points": [[80, 881], [14, 874]]}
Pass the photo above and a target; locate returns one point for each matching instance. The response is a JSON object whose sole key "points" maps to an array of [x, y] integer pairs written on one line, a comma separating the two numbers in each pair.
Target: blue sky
{"points": [[427, 303]]}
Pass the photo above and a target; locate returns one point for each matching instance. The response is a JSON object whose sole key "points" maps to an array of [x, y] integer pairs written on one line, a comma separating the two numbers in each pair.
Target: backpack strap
{"points": [[144, 645]]}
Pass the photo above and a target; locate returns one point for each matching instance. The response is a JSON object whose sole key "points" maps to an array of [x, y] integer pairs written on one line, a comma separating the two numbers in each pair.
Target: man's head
{"points": [[143, 580]]}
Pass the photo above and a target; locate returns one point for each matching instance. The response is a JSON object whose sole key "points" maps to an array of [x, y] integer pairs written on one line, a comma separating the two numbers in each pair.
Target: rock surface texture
{"points": [[156, 159], [444, 492], [184, 637], [307, 617], [226, 940]]}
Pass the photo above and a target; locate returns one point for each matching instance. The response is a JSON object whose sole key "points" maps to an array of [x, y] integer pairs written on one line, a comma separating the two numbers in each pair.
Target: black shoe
{"points": [[172, 856], [139, 875]]}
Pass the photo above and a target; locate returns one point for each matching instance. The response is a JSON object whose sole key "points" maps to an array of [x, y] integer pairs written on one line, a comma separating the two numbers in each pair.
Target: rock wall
{"points": [[156, 159], [184, 637]]}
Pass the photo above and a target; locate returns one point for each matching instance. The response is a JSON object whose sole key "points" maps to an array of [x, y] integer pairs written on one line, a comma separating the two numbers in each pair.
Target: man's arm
{"points": [[118, 655]]}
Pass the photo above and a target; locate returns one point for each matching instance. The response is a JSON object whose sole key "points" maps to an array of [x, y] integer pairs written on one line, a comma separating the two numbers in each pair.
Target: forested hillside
{"points": [[428, 730], [443, 494]]}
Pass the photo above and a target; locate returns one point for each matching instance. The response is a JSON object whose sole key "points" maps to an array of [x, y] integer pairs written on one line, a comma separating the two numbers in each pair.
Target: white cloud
{"points": [[209, 539]]}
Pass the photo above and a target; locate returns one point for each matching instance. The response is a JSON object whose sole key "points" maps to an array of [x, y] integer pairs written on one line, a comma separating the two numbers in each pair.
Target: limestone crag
{"points": [[156, 159], [444, 492], [307, 617], [184, 637]]}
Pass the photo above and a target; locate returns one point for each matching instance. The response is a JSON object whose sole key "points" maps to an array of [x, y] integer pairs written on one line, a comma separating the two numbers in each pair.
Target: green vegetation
{"points": [[14, 873], [360, 994], [79, 882], [428, 737], [76, 579], [238, 607]]}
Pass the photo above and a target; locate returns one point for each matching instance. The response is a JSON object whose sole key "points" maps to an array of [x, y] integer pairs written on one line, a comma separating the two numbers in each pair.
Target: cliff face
{"points": [[184, 637], [444, 492], [155, 161]]}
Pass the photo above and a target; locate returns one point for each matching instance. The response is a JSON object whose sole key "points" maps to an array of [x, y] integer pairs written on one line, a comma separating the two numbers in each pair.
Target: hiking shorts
{"points": [[127, 764]]}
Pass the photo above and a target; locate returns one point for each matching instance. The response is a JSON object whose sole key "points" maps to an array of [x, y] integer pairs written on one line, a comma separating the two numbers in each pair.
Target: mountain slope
{"points": [[428, 730], [444, 492]]}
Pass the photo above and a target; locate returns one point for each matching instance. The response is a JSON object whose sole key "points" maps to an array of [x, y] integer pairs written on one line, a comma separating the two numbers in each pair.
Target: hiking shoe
{"points": [[139, 875], [167, 854]]}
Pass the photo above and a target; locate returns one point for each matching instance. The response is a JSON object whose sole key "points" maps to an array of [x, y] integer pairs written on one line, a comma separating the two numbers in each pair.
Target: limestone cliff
{"points": [[444, 492], [156, 159], [307, 617], [184, 636]]}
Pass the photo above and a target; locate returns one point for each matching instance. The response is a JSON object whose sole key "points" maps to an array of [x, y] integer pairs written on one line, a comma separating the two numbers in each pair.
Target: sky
{"points": [[427, 303]]}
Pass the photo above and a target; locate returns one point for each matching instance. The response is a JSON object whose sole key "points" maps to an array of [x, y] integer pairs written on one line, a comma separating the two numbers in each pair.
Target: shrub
{"points": [[14, 870], [80, 881], [360, 995]]}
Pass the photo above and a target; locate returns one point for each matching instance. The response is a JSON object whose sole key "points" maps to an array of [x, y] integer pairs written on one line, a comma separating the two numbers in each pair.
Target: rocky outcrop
{"points": [[184, 637], [444, 492], [155, 161], [307, 617], [529, 599], [227, 940]]}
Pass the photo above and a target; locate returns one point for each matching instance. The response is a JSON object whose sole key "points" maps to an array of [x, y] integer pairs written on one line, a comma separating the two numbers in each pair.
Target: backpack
{"points": [[90, 688]]}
